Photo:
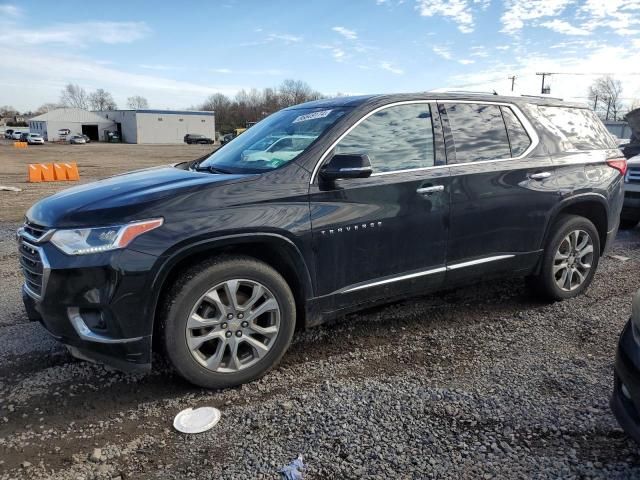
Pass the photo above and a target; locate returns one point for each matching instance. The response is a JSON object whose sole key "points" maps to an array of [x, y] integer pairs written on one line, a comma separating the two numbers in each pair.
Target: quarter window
{"points": [[518, 136], [580, 127], [395, 138], [479, 132]]}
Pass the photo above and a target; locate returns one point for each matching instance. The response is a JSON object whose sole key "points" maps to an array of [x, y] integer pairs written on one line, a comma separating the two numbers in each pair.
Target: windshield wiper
{"points": [[211, 169]]}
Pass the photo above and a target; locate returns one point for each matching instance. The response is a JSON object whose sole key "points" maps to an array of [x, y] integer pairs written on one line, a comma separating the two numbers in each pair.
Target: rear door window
{"points": [[518, 137], [479, 132], [395, 138], [580, 127]]}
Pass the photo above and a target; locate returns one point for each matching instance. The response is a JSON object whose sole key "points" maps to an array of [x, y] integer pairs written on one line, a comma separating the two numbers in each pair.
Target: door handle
{"points": [[430, 190], [540, 175]]}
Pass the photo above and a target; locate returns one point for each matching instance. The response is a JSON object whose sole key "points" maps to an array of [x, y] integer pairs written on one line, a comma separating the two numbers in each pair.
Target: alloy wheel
{"points": [[573, 260], [233, 326]]}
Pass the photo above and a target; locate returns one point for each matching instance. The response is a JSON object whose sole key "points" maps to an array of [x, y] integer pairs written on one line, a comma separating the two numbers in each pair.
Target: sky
{"points": [[177, 53]]}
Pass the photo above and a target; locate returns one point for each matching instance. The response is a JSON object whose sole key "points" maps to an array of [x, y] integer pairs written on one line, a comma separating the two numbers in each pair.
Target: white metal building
{"points": [[160, 126], [64, 122]]}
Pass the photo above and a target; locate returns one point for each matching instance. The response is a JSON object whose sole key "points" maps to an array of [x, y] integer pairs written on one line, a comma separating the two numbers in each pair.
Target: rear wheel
{"points": [[628, 223], [569, 260], [228, 322]]}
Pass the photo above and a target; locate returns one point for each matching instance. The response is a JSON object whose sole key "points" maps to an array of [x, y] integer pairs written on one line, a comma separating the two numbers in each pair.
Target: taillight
{"points": [[619, 164]]}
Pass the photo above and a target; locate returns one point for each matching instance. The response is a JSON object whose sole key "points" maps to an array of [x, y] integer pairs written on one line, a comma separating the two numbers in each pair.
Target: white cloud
{"points": [[618, 59], [158, 67], [442, 51], [619, 15], [77, 34], [9, 10], [285, 37], [338, 54], [49, 72], [221, 70], [563, 27], [517, 12], [466, 61], [459, 11], [346, 33], [388, 66]]}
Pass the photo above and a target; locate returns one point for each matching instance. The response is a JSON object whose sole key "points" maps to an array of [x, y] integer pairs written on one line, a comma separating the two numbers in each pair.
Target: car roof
{"points": [[360, 100]]}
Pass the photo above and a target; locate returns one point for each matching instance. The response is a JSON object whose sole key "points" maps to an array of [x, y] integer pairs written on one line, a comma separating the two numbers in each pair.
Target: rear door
{"points": [[502, 188], [384, 235]]}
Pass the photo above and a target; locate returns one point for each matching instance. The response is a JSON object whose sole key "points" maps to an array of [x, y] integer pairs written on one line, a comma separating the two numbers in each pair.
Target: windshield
{"points": [[273, 142]]}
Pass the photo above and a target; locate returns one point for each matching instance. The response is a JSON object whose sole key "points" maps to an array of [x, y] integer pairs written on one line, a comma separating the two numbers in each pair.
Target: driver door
{"points": [[385, 235]]}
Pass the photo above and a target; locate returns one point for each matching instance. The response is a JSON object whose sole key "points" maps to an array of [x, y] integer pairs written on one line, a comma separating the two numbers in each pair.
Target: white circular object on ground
{"points": [[196, 421]]}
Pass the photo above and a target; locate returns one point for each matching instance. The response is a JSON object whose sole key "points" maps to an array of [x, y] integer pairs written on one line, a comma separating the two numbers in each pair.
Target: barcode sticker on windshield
{"points": [[312, 116]]}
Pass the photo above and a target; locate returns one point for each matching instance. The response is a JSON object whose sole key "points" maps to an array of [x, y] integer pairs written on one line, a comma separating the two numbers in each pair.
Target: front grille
{"points": [[33, 229], [32, 267], [633, 175]]}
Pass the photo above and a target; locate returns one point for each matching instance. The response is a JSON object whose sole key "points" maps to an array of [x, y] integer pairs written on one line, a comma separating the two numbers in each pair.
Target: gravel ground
{"points": [[480, 382]]}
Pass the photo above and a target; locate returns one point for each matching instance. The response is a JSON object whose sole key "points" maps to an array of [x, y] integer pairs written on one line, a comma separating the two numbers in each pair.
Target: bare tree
{"points": [[7, 111], [137, 102], [101, 100], [46, 107], [254, 105], [604, 95], [74, 96]]}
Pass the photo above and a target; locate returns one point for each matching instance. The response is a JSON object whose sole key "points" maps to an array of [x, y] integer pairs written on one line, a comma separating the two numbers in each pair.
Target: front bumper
{"points": [[625, 400], [98, 305]]}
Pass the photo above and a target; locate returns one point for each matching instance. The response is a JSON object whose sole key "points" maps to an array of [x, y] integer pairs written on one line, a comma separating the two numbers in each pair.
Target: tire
{"points": [[203, 290], [559, 244], [628, 223]]}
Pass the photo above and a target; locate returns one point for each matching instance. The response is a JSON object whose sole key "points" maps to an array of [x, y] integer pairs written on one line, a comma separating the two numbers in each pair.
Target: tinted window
{"points": [[478, 132], [580, 127], [396, 138], [518, 137]]}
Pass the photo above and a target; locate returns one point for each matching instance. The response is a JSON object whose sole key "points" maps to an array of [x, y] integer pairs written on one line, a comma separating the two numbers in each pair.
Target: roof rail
{"points": [[467, 92], [543, 96]]}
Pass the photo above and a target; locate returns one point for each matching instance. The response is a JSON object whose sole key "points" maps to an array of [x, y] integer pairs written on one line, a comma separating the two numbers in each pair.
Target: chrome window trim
{"points": [[30, 238], [430, 271], [535, 140]]}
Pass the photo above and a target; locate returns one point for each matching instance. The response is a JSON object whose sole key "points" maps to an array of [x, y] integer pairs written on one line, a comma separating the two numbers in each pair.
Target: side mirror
{"points": [[347, 165]]}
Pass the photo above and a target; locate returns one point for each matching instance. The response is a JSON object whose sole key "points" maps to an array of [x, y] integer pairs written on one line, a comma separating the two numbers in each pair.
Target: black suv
{"points": [[374, 198], [190, 138]]}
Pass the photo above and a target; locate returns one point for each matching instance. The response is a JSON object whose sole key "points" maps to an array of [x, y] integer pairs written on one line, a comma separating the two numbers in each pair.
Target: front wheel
{"points": [[228, 322], [569, 260]]}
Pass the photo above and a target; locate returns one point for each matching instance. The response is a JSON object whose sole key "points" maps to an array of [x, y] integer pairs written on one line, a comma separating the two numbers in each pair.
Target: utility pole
{"points": [[608, 108], [544, 89], [513, 81], [595, 103]]}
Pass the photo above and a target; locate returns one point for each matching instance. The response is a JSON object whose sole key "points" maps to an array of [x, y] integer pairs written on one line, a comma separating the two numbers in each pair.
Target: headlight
{"points": [[81, 241]]}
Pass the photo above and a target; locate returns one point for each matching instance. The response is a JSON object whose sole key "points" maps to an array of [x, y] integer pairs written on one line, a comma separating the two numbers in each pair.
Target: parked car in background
{"points": [[630, 216], [34, 139], [23, 136], [279, 151], [8, 133], [190, 138], [17, 134], [625, 400], [226, 138], [386, 197], [77, 140], [87, 139]]}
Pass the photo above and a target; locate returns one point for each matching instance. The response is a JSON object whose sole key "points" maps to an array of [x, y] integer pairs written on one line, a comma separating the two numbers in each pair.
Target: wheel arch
{"points": [[276, 250], [592, 206]]}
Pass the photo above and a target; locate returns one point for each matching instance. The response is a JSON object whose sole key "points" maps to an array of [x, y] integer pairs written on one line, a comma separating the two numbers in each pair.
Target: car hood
{"points": [[123, 198]]}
